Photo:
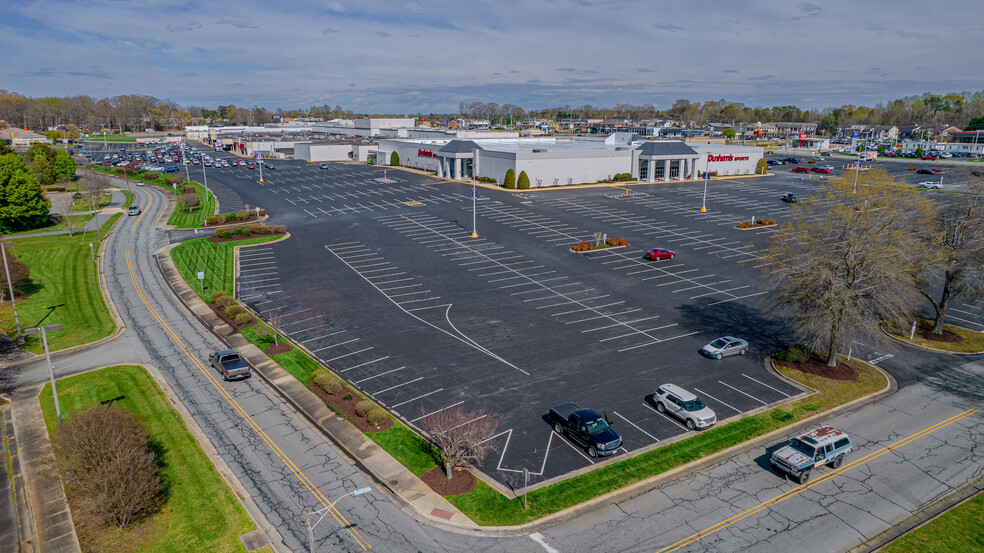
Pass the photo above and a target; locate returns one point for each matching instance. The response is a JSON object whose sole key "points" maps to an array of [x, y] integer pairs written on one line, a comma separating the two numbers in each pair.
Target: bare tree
{"points": [[461, 436], [64, 204], [952, 264], [843, 262]]}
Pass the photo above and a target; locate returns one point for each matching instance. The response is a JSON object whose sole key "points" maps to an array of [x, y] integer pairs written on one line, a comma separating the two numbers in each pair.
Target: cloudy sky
{"points": [[405, 56]]}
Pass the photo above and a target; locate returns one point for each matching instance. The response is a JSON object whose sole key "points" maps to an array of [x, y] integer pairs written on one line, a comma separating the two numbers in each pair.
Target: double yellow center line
{"points": [[796, 491], [142, 212], [249, 420]]}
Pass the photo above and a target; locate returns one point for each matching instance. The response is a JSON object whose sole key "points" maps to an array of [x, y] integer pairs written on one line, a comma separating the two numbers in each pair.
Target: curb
{"points": [[927, 348], [921, 518]]}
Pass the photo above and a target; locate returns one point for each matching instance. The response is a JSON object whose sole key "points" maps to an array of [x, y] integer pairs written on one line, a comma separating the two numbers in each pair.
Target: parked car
{"points": [[269, 166], [926, 172], [791, 160], [826, 170], [230, 364], [789, 198], [724, 347], [822, 445], [323, 166], [930, 157], [659, 253], [825, 154], [586, 428], [251, 166], [171, 169], [684, 405], [133, 210], [930, 185], [801, 169]]}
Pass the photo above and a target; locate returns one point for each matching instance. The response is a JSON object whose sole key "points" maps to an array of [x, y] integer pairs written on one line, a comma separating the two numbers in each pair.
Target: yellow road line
{"points": [[796, 491], [142, 211], [249, 420]]}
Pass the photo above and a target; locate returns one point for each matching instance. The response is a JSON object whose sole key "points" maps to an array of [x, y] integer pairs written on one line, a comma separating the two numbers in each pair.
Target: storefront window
{"points": [[675, 169]]}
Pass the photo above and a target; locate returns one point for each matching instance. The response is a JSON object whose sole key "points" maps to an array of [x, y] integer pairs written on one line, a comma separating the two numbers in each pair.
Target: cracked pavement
{"points": [[834, 515]]}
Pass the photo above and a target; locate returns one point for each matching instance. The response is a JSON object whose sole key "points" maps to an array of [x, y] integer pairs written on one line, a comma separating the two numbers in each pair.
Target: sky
{"points": [[410, 56]]}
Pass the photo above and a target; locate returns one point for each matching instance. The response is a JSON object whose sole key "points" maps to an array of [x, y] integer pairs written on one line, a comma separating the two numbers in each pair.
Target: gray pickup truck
{"points": [[586, 428], [230, 364]]}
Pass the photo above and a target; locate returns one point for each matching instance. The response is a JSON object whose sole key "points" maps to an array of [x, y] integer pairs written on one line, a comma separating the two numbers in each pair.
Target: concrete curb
{"points": [[921, 518], [414, 497], [927, 348]]}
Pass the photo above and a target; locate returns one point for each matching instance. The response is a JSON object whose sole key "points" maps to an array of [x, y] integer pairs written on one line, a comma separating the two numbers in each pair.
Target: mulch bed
{"points": [[282, 347], [819, 367], [237, 222], [234, 237], [755, 226], [463, 481], [226, 318], [348, 408], [925, 331]]}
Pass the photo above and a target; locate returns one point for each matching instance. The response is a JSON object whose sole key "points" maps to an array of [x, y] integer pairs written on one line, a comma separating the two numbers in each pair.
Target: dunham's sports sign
{"points": [[426, 153], [713, 158]]}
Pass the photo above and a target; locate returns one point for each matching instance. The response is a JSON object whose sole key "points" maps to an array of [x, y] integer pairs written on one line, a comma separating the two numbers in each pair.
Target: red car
{"points": [[825, 170], [926, 172], [269, 166], [801, 169], [930, 157], [659, 253], [251, 166]]}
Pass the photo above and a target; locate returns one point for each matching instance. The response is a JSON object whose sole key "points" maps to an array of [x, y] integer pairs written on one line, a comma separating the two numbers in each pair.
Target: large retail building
{"points": [[575, 160]]}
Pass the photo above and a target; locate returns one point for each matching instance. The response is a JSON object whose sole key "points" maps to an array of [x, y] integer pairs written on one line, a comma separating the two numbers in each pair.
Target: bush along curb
{"points": [[759, 223], [609, 244]]}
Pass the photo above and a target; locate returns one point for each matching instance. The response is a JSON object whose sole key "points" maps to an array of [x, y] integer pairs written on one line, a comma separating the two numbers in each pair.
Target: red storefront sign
{"points": [[426, 153], [714, 158]]}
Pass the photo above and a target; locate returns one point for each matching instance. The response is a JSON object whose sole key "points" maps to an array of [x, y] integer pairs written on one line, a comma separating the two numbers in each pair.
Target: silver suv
{"points": [[812, 449], [684, 405]]}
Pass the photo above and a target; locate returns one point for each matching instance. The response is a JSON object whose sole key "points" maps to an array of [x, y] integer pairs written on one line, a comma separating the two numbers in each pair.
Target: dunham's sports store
{"points": [[561, 161]]}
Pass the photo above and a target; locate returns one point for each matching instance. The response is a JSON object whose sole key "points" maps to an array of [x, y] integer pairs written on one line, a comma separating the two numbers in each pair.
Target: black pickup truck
{"points": [[230, 364], [586, 427]]}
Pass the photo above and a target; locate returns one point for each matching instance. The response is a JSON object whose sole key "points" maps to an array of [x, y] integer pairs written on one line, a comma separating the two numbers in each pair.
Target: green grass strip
{"points": [[216, 260], [202, 513], [63, 289], [956, 531]]}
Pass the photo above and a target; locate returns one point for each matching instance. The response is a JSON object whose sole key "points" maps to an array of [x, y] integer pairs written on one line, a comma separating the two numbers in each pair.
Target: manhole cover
{"points": [[394, 482]]}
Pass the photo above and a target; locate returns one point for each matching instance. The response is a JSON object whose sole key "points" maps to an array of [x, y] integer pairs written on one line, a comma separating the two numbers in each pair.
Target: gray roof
{"points": [[459, 147], [665, 148]]}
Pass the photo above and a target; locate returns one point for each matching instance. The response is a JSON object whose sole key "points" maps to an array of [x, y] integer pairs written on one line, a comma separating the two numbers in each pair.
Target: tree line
{"points": [[136, 112]]}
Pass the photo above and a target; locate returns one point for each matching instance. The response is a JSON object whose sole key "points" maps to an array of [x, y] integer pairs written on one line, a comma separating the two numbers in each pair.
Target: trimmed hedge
{"points": [[243, 319], [510, 180], [523, 183]]}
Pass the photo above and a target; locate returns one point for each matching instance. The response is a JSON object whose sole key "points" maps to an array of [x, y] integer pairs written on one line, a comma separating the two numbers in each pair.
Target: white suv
{"points": [[684, 405]]}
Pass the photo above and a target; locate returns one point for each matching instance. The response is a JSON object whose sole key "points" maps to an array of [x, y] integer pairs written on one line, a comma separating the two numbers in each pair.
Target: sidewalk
{"points": [[53, 524], [114, 206], [423, 502]]}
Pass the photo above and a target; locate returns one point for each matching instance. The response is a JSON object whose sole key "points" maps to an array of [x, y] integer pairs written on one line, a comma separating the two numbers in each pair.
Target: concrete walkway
{"points": [[53, 524], [101, 216]]}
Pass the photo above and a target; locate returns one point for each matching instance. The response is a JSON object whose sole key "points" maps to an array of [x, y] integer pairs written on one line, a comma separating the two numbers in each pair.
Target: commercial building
{"points": [[561, 161]]}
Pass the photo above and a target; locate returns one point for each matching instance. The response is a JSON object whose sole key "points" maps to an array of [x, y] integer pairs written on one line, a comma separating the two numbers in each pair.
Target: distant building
{"points": [[22, 137]]}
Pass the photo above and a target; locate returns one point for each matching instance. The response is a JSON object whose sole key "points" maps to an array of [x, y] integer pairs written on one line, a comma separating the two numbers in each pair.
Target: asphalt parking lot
{"points": [[382, 280]]}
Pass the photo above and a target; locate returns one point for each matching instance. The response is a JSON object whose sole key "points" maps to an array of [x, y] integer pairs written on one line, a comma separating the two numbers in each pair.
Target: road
{"points": [[930, 420]]}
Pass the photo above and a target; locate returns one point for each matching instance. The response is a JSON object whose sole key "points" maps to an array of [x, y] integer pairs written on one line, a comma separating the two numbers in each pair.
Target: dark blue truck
{"points": [[586, 428]]}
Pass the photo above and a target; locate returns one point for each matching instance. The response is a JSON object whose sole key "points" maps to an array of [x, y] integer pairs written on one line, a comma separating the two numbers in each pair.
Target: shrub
{"points": [[744, 224], [225, 301], [77, 196], [331, 386], [246, 214], [230, 217], [277, 229], [215, 220], [170, 180], [243, 319], [363, 407], [523, 183], [317, 373], [243, 231], [233, 310], [151, 175], [225, 233], [796, 354], [761, 166], [765, 221], [583, 247], [347, 397], [622, 177], [616, 242], [376, 416], [214, 296], [394, 158], [510, 180], [487, 180]]}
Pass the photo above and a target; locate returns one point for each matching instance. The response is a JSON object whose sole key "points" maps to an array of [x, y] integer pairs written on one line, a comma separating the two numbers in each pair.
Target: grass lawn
{"points": [[958, 530], [109, 138], [63, 289], [194, 217], [488, 507], [202, 513], [216, 260], [971, 341], [56, 224]]}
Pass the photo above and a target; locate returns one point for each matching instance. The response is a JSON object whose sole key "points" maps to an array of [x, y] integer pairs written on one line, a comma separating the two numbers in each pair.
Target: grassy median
{"points": [[201, 512], [215, 259], [182, 217], [958, 530]]}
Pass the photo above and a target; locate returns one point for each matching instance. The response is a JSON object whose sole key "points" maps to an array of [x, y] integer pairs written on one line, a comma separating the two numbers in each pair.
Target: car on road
{"points": [[230, 364], [586, 428], [818, 446], [825, 154], [789, 198], [930, 185], [926, 172], [684, 405], [171, 169], [791, 160], [659, 253], [801, 169], [930, 157], [133, 210], [724, 347], [826, 170], [269, 166]]}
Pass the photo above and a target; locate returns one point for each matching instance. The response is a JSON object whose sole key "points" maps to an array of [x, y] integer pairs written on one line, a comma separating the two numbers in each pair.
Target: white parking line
{"points": [[717, 400], [764, 384], [398, 385], [333, 345], [348, 354], [635, 426], [445, 409], [416, 398], [742, 393], [380, 374]]}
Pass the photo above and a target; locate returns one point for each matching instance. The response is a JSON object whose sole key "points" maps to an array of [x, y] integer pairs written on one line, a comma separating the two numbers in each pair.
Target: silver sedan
{"points": [[723, 347]]}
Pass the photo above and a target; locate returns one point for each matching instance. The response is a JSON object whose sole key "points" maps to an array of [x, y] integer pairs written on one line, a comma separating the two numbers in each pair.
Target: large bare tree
{"points": [[843, 260], [952, 264], [461, 436]]}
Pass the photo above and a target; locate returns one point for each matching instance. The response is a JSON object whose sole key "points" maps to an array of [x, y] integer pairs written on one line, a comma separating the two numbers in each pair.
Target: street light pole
{"points": [[322, 512], [703, 202], [205, 180], [474, 211], [47, 356], [10, 285]]}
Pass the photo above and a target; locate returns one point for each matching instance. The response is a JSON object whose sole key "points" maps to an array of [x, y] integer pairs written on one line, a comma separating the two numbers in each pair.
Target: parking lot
{"points": [[382, 280]]}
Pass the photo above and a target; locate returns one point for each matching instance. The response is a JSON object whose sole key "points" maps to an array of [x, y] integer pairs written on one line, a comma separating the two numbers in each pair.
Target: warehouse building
{"points": [[561, 161]]}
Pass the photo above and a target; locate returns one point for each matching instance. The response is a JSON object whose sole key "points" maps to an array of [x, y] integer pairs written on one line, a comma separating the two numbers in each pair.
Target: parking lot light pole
{"points": [[205, 181], [323, 512], [10, 286], [703, 202], [47, 356], [474, 211]]}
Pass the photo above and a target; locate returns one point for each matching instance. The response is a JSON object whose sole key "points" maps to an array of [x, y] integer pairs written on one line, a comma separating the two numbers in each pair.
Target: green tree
{"points": [[5, 148], [881, 150], [22, 203], [730, 133], [920, 151], [44, 169], [761, 167], [976, 124], [54, 135], [64, 166], [842, 262], [510, 180], [523, 183], [394, 158]]}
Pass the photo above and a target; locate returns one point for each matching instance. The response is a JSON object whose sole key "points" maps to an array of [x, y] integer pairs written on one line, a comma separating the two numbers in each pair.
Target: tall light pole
{"points": [[205, 180], [47, 356], [323, 512], [10, 285], [474, 211], [703, 202], [259, 161]]}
